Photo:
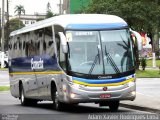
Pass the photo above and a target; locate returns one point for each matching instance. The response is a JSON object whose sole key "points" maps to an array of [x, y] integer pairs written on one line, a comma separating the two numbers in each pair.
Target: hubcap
{"points": [[56, 99], [22, 97]]}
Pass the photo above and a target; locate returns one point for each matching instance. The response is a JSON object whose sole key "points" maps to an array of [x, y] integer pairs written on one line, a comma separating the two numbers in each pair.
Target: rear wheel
{"points": [[24, 101], [5, 64]]}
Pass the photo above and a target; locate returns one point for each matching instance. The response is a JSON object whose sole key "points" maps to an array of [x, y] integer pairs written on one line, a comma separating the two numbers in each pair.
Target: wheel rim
{"points": [[5, 65], [56, 99], [22, 96]]}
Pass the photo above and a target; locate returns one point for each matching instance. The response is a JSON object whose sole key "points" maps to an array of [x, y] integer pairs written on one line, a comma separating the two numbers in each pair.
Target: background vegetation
{"points": [[141, 15]]}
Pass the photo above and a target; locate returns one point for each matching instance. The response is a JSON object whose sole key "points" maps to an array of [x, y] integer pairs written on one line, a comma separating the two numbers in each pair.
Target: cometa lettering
{"points": [[37, 64]]}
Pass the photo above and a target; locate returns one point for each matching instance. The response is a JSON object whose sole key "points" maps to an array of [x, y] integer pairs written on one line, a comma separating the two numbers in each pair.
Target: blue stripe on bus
{"points": [[97, 26], [101, 81], [23, 64]]}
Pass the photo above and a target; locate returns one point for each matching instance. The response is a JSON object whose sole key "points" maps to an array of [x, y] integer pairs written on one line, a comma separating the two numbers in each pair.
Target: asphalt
{"points": [[144, 103]]}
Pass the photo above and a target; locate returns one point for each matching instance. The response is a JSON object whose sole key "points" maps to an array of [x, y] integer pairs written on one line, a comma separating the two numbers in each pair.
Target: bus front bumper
{"points": [[81, 94]]}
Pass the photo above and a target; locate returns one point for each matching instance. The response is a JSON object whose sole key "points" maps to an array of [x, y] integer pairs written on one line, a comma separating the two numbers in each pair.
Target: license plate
{"points": [[105, 95]]}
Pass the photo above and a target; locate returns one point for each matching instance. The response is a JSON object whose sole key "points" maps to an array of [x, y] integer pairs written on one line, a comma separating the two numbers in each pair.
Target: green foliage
{"points": [[147, 74], [50, 14], [141, 15], [14, 24], [19, 9], [138, 14], [149, 63], [4, 88], [143, 63]]}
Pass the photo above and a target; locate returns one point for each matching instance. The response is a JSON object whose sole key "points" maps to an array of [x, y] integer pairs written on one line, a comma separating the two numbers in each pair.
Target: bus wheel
{"points": [[24, 101], [113, 106], [56, 103], [5, 64]]}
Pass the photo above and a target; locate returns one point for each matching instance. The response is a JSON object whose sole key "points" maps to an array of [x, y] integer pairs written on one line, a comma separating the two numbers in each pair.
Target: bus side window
{"points": [[31, 49], [57, 39], [44, 45], [24, 45]]}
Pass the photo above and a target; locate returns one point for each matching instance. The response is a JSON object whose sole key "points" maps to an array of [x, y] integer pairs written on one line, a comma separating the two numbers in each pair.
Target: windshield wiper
{"points": [[97, 57], [110, 59]]}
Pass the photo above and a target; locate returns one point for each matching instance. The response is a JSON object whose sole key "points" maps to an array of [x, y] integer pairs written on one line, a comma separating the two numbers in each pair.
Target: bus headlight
{"points": [[72, 95], [133, 93], [64, 88]]}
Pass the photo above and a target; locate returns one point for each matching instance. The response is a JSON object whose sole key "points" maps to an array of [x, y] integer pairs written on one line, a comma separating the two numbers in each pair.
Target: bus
{"points": [[68, 59]]}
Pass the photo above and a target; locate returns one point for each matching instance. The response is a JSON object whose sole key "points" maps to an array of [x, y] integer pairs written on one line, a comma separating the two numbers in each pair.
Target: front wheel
{"points": [[56, 103], [113, 106]]}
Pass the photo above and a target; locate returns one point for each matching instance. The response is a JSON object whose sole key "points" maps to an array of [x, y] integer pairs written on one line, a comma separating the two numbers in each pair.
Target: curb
{"points": [[6, 91], [157, 111]]}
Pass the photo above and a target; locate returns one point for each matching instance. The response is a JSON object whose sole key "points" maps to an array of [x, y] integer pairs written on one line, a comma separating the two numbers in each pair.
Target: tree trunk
{"points": [[19, 21], [156, 42]]}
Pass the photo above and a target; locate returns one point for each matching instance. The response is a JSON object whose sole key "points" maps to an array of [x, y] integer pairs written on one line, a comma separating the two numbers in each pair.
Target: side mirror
{"points": [[139, 39], [63, 42]]}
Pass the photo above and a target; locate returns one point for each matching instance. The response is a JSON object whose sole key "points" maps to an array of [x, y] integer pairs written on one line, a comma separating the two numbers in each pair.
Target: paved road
{"points": [[44, 110], [149, 87], [147, 97]]}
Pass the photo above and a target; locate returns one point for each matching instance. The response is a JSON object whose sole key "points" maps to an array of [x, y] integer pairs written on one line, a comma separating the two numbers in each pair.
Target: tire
{"points": [[24, 101], [56, 103], [5, 64], [113, 106]]}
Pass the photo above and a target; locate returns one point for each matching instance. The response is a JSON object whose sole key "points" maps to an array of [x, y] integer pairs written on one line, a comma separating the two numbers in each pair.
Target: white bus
{"points": [[71, 59]]}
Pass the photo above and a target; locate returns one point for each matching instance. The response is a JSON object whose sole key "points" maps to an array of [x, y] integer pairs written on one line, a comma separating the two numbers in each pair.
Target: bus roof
{"points": [[77, 21]]}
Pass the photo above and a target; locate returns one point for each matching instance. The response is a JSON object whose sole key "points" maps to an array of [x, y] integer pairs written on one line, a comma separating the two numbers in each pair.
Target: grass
{"points": [[3, 69], [149, 63], [4, 88], [148, 74]]}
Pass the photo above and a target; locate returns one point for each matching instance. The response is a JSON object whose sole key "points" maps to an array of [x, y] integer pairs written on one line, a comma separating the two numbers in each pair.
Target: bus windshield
{"points": [[100, 52]]}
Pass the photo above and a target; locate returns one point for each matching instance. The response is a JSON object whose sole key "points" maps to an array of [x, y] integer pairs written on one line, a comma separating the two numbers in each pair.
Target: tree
{"points": [[143, 63], [48, 6], [13, 25], [141, 15], [49, 12], [19, 9]]}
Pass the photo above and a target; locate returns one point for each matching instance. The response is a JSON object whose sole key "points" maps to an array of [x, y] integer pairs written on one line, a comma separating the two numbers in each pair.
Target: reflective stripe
{"points": [[102, 85], [103, 81], [28, 73]]}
